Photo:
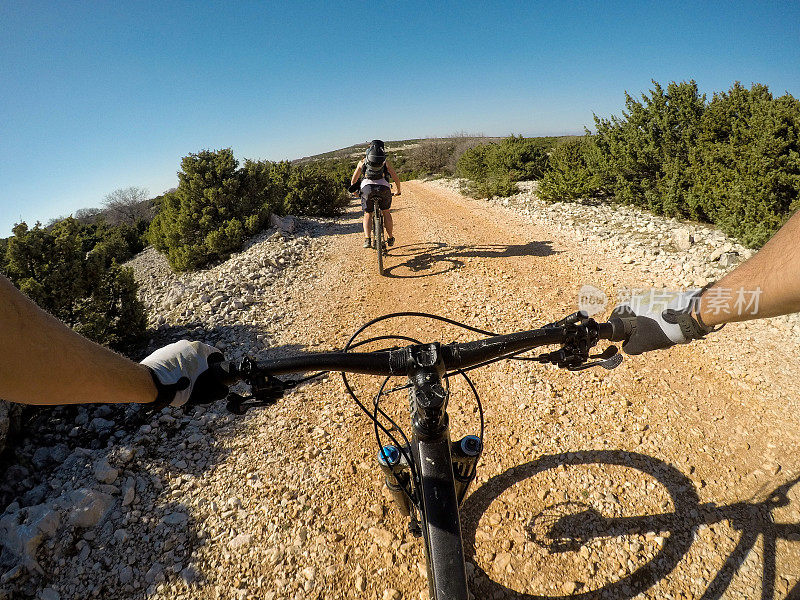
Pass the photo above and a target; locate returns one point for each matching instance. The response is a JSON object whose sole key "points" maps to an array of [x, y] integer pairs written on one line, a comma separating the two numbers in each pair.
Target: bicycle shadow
{"points": [[428, 259], [570, 532]]}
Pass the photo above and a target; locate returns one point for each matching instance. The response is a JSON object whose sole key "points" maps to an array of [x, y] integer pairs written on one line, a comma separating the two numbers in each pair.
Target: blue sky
{"points": [[98, 96]]}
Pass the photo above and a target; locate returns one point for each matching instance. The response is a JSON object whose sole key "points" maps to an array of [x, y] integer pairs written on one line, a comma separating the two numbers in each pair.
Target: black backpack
{"points": [[373, 171]]}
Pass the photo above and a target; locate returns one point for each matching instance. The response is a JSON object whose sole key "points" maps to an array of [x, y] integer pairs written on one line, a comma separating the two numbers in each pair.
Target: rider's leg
{"points": [[387, 222], [367, 224]]}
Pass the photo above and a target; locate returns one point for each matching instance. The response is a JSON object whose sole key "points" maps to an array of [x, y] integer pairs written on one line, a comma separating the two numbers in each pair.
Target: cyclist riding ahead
{"points": [[375, 169]]}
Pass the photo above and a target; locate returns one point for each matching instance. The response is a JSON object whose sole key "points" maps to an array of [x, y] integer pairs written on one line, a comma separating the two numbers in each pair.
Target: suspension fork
{"points": [[431, 427]]}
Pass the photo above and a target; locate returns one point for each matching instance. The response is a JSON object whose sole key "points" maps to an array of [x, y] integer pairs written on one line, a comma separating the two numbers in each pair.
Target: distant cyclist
{"points": [[375, 169]]}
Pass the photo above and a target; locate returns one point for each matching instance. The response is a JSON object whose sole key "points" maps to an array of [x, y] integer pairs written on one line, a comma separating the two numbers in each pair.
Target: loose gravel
{"points": [[633, 483]]}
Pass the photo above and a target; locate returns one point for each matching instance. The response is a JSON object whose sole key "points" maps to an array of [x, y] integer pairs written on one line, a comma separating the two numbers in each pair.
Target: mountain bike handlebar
{"points": [[576, 331]]}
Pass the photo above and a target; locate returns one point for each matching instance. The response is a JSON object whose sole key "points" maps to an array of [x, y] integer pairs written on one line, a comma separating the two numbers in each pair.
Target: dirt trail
{"points": [[639, 482]]}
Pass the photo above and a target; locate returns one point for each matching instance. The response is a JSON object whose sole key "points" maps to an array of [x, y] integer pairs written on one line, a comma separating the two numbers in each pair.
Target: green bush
{"points": [[203, 219], [64, 271], [3, 249], [118, 242], [217, 206], [746, 164], [314, 191], [644, 156], [734, 161], [571, 172], [493, 169]]}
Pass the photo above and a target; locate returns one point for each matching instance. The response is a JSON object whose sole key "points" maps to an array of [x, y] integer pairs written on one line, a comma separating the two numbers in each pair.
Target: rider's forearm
{"points": [[42, 361], [767, 285], [395, 178], [356, 175]]}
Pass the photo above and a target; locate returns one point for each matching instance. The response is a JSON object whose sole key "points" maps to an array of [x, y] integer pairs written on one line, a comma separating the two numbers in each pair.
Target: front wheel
{"points": [[441, 525], [378, 237]]}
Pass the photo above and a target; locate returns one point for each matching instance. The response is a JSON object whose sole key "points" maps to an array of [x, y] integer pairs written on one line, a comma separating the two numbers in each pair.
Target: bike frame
{"points": [[377, 229]]}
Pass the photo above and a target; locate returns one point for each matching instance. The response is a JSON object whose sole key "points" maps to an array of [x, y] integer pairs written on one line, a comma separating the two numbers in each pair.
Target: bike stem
{"points": [[429, 408]]}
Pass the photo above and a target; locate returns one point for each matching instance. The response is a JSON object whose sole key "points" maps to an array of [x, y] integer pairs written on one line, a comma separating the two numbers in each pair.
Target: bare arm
{"points": [[395, 178], [42, 361], [357, 172], [774, 270]]}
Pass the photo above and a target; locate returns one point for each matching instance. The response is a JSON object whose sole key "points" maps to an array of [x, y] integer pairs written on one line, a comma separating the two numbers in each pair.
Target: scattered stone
{"points": [[189, 575], [728, 259], [382, 537], [105, 473], [125, 575], [49, 594], [89, 507], [570, 587], [286, 224], [240, 541], [155, 573], [24, 530], [175, 519], [128, 492], [683, 239], [100, 424], [502, 560]]}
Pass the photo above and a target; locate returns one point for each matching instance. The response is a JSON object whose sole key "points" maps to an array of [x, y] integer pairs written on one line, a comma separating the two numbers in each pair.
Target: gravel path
{"points": [[634, 483]]}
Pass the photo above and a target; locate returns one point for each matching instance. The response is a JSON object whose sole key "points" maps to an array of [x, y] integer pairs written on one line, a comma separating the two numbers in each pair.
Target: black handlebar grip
{"points": [[622, 328], [212, 384], [224, 372]]}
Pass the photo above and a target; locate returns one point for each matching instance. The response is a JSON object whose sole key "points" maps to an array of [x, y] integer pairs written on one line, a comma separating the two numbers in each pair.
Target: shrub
{"points": [[86, 289], [645, 154], [523, 159], [3, 248], [571, 173], [118, 242], [314, 191], [734, 161], [746, 163], [462, 141], [492, 169], [217, 206], [429, 157], [203, 219]]}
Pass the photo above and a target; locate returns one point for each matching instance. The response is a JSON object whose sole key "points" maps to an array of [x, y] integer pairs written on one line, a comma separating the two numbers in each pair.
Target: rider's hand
{"points": [[663, 318], [175, 369]]}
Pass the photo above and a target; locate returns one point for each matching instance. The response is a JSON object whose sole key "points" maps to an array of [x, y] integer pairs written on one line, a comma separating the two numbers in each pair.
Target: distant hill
{"points": [[391, 146]]}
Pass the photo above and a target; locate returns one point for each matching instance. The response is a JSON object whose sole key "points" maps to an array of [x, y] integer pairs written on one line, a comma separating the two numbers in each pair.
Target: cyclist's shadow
{"points": [[562, 531], [436, 258]]}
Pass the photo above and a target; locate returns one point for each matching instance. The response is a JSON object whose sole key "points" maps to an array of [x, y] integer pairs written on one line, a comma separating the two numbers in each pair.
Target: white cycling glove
{"points": [[175, 369], [663, 318]]}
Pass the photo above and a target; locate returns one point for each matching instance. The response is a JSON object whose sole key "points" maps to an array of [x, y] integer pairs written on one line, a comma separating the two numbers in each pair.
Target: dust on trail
{"points": [[653, 480]]}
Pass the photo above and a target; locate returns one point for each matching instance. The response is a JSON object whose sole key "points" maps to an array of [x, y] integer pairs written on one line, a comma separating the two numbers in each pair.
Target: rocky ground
{"points": [[669, 477]]}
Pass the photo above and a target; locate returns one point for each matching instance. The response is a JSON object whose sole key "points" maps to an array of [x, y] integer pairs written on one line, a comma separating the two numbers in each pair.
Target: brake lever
{"points": [[267, 391], [572, 319], [608, 364], [610, 358], [239, 405], [571, 359]]}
